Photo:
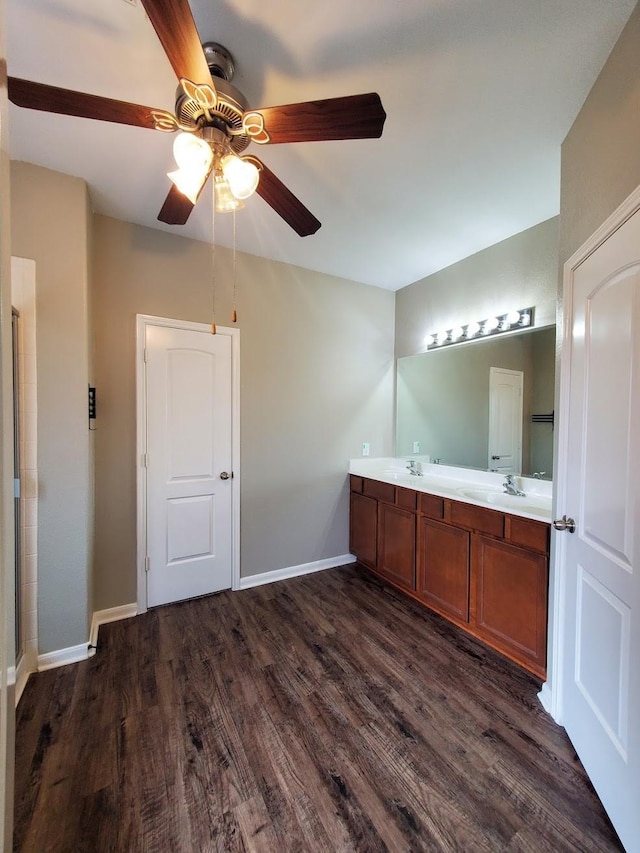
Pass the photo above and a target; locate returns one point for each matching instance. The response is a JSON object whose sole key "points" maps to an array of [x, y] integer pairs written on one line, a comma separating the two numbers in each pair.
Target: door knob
{"points": [[224, 475], [565, 523]]}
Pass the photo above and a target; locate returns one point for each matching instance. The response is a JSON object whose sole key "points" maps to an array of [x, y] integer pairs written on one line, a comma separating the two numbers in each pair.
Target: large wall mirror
{"points": [[443, 400]]}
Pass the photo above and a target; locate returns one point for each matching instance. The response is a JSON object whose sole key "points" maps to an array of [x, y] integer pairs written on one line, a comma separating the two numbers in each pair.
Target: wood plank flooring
{"points": [[323, 713]]}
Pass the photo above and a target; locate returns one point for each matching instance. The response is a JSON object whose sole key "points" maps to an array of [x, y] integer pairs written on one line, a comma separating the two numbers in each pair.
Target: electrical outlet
{"points": [[416, 447], [365, 448]]}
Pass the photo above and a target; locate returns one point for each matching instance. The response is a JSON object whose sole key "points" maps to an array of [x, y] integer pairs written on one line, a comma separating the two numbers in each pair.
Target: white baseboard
{"points": [[86, 650], [545, 697], [111, 614], [61, 657], [295, 571], [22, 676]]}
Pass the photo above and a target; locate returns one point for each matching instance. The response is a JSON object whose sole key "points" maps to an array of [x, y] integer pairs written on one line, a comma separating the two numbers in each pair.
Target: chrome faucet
{"points": [[414, 468], [511, 488]]}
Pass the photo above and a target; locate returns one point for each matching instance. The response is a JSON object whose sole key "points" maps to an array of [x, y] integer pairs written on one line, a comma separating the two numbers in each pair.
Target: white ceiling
{"points": [[479, 95]]}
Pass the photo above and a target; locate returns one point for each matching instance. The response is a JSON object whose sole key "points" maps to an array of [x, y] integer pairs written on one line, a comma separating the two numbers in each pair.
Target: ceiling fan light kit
{"points": [[241, 175], [216, 116], [195, 159], [225, 201]]}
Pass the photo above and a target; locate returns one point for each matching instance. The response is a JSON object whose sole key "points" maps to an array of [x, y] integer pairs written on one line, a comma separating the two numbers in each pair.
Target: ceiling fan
{"points": [[215, 122]]}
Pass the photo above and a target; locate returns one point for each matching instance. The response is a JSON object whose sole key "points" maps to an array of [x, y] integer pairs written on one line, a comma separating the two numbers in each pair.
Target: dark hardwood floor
{"points": [[324, 713]]}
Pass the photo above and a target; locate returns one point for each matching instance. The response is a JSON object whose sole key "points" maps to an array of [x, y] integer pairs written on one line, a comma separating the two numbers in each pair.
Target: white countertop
{"points": [[481, 488]]}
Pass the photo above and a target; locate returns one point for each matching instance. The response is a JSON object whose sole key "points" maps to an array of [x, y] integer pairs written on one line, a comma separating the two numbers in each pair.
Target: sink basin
{"points": [[479, 494], [395, 472], [526, 503], [534, 503]]}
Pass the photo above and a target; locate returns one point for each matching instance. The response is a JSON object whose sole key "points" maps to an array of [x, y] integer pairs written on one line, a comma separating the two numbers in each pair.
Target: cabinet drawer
{"points": [[406, 498], [432, 506], [528, 533], [477, 518], [355, 483], [380, 491]]}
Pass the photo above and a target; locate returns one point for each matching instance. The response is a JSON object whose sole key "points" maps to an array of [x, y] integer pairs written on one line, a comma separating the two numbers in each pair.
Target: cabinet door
{"points": [[397, 545], [363, 528], [511, 600], [443, 568]]}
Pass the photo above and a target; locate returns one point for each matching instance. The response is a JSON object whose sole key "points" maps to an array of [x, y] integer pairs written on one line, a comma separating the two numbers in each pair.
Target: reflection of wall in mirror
{"points": [[443, 399], [542, 400]]}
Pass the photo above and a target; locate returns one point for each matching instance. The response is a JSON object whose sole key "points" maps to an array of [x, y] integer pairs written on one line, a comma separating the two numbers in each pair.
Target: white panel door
{"points": [[505, 420], [189, 496], [601, 634]]}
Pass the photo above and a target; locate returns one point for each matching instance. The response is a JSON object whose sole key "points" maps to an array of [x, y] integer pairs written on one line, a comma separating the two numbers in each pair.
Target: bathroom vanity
{"points": [[452, 540]]}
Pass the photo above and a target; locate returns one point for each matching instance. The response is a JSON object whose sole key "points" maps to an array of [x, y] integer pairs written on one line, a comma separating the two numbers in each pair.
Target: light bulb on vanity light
{"points": [[473, 329], [513, 317], [490, 325], [457, 333]]}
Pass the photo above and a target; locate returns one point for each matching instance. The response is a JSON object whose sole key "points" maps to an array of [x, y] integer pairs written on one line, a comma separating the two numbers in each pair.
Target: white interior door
{"points": [[600, 679], [188, 463], [505, 420]]}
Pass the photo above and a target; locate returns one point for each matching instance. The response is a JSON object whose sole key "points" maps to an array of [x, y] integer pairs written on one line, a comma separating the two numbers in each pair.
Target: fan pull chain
{"points": [[213, 259], [234, 313]]}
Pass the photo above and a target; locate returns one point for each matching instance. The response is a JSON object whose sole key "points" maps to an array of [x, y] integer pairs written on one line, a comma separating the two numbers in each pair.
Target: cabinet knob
{"points": [[496, 457]]}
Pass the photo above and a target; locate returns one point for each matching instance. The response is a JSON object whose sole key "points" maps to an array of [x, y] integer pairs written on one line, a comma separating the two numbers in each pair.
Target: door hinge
{"points": [[144, 355], [144, 460], [147, 564]]}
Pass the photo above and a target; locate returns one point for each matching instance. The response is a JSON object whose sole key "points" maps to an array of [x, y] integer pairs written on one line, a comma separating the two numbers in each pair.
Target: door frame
{"points": [[551, 693], [142, 322]]}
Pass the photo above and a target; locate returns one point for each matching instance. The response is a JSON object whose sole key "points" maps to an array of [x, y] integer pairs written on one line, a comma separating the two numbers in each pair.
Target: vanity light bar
{"points": [[491, 326]]}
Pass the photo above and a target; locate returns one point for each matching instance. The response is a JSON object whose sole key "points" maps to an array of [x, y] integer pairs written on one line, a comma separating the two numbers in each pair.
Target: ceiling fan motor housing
{"points": [[219, 60], [227, 113]]}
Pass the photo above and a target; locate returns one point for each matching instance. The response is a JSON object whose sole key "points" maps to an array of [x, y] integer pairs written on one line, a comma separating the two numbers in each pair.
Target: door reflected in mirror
{"points": [[445, 409]]}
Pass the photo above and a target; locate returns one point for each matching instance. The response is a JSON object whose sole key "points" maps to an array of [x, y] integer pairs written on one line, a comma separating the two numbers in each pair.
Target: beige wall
{"points": [[50, 224], [601, 153], [7, 651], [517, 273], [316, 364]]}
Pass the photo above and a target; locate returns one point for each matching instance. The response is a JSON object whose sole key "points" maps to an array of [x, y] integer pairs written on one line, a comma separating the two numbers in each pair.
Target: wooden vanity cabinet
{"points": [[397, 545], [484, 570], [443, 568], [511, 600], [363, 528], [382, 530]]}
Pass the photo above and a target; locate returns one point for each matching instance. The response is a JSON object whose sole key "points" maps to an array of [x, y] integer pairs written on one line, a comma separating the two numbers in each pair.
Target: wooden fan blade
{"points": [[176, 29], [51, 99], [176, 208], [351, 117], [283, 201]]}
